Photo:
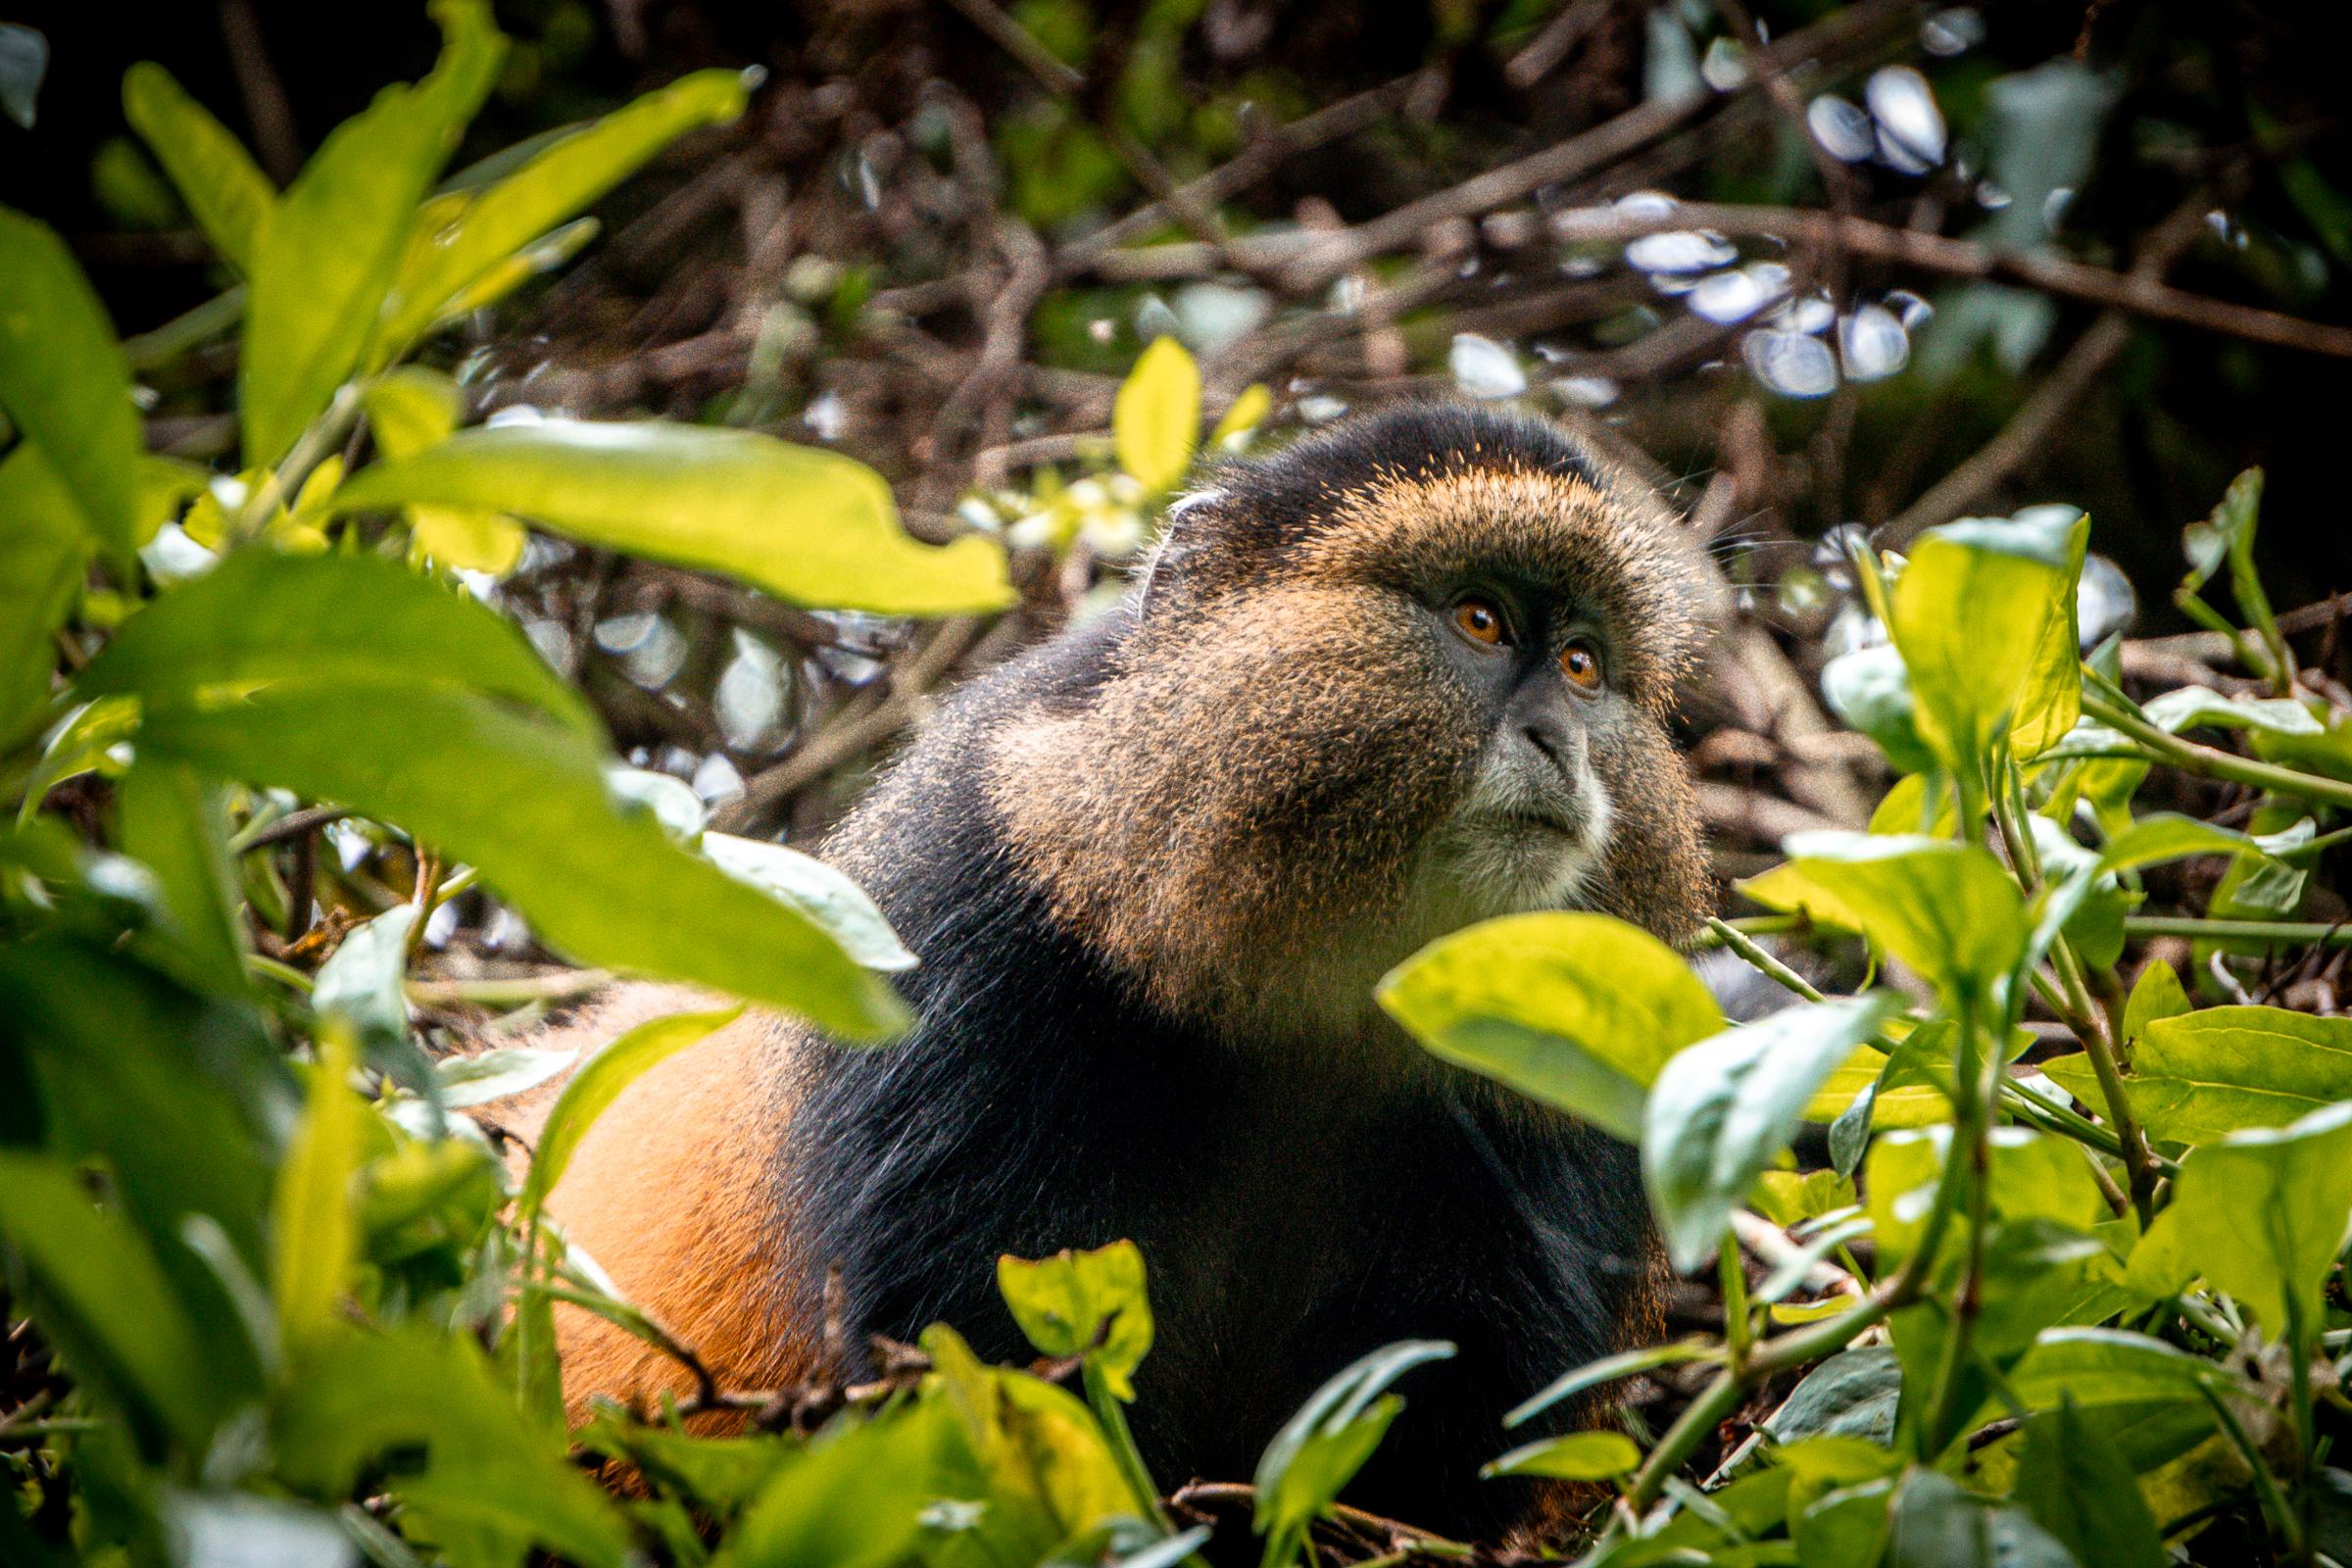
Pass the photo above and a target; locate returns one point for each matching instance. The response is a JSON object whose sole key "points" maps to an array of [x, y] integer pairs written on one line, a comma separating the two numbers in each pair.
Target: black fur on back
{"points": [[1292, 1214]]}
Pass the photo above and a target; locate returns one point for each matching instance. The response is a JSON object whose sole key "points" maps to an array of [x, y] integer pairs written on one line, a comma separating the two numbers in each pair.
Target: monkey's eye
{"points": [[1480, 621], [1580, 664]]}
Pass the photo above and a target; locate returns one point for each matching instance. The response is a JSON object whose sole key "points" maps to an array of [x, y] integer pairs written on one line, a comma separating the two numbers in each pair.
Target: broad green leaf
{"points": [[1035, 1452], [2097, 1367], [458, 237], [325, 254], [854, 1498], [45, 549], [2192, 705], [2169, 836], [2200, 1075], [224, 189], [315, 1244], [1788, 1198], [2263, 1213], [1607, 1369], [2034, 1177], [598, 1082], [103, 1302], [2156, 994], [1947, 909], [1068, 1302], [238, 1530], [2079, 1486], [1576, 1456], [808, 525], [467, 539], [1984, 617], [1578, 1010], [64, 380], [1156, 415], [489, 1479], [1870, 691], [266, 621], [1304, 1467], [825, 895], [1724, 1108], [1851, 1394], [527, 804], [1940, 1524], [177, 825], [1843, 1526]]}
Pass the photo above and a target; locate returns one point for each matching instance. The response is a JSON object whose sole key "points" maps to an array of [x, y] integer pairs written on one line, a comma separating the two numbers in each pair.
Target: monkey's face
{"points": [[1400, 678]]}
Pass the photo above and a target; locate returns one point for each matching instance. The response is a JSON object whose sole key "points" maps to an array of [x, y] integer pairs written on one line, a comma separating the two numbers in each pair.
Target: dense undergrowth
{"points": [[2065, 1289]]}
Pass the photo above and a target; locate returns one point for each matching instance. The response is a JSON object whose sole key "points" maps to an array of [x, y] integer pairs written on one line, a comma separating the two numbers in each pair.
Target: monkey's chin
{"points": [[1514, 864]]}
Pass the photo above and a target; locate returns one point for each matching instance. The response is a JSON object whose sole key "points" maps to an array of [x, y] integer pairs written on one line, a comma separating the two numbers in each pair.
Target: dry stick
{"points": [[2037, 418], [1959, 258], [1561, 36]]}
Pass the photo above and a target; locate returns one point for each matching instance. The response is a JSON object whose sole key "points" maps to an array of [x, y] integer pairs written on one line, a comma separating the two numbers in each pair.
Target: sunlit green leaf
{"points": [[64, 380], [852, 1500], [314, 1242], [458, 237], [2097, 1367], [475, 1080], [176, 824], [264, 622], [1578, 1010], [2200, 1075], [224, 189], [2156, 994], [1156, 415], [1870, 691], [2263, 1213], [599, 1083], [1035, 1452], [1089, 1304], [808, 525], [1722, 1110], [825, 895], [2192, 705], [1947, 909], [1575, 1456], [325, 254], [1984, 617], [2162, 836]]}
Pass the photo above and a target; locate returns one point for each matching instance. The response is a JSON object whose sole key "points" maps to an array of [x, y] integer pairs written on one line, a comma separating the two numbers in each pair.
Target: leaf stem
{"points": [[2210, 761], [1740, 942], [1113, 1417], [2296, 933]]}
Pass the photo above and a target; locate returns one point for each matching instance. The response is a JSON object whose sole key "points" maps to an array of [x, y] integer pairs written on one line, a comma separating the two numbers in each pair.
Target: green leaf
{"points": [[855, 1499], [1035, 1452], [2169, 836], [599, 1083], [1321, 1446], [808, 525], [1870, 691], [478, 1079], [224, 189], [1242, 419], [461, 236], [325, 254], [528, 803], [1851, 1394], [2097, 1367], [2077, 1486], [100, 1298], [64, 380], [176, 824], [1576, 1456], [361, 980], [2198, 1076], [238, 1530], [491, 1484], [2192, 705], [262, 621], [1940, 1524], [837, 904], [1593, 1374], [1947, 909], [2262, 1214], [1580, 1011], [1156, 415], [315, 1242], [1984, 617], [2157, 994], [43, 552], [1068, 1302], [1724, 1108]]}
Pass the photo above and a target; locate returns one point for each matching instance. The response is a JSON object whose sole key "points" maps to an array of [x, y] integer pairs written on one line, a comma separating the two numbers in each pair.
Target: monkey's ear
{"points": [[1179, 534]]}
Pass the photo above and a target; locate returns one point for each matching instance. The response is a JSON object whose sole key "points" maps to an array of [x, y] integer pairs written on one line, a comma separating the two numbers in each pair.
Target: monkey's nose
{"points": [[1549, 737]]}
